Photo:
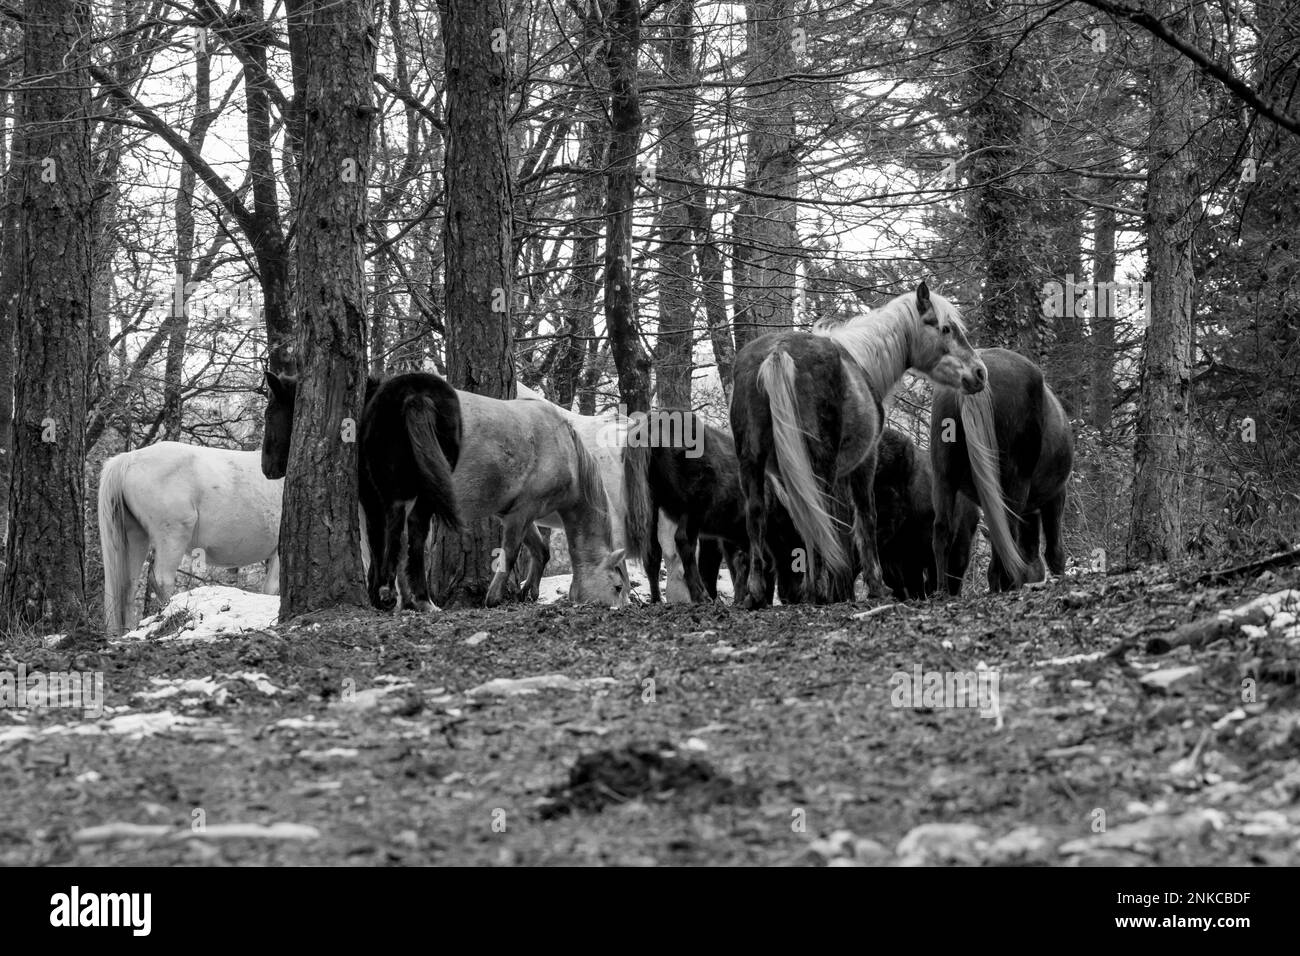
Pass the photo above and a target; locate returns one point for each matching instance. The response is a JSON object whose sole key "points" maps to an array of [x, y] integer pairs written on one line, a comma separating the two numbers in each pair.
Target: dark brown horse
{"points": [[905, 518], [807, 409], [409, 445], [1027, 466], [698, 489]]}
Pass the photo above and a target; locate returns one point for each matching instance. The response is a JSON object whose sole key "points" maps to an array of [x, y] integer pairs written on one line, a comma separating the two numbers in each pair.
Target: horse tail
{"points": [[982, 449], [112, 541], [805, 499], [420, 411], [590, 485], [640, 527]]}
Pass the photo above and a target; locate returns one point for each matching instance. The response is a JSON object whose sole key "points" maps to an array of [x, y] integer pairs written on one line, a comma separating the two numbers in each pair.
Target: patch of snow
{"points": [[305, 723], [1070, 659], [215, 611], [206, 686], [508, 687]]}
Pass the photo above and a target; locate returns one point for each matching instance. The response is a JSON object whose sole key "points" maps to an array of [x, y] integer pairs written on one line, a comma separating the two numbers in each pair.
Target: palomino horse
{"points": [[1020, 415], [410, 442], [808, 409], [178, 498]]}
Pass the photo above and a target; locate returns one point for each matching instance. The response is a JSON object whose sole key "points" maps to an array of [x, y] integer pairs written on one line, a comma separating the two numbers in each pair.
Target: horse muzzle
{"points": [[975, 381]]}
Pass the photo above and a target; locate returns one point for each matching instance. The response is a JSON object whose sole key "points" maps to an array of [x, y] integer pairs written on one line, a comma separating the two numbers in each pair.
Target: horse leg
{"points": [[137, 551], [513, 529], [761, 566], [417, 536], [862, 485], [653, 563], [372, 511], [390, 550], [944, 498], [1029, 546], [171, 548], [709, 562], [687, 542], [1053, 546], [539, 555]]}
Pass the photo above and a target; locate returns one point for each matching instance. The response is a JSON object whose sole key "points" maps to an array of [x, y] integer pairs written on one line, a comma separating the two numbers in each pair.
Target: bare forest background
{"points": [[605, 200]]}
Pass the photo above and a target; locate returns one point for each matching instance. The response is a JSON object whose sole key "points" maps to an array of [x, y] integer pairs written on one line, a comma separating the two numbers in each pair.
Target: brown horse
{"points": [[1009, 448], [807, 409]]}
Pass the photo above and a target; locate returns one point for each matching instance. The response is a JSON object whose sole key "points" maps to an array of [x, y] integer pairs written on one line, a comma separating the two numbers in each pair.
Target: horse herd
{"points": [[808, 491]]}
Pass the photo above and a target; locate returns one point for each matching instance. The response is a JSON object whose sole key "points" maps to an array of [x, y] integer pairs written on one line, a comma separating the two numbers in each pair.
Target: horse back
{"points": [[230, 508], [523, 454], [818, 382]]}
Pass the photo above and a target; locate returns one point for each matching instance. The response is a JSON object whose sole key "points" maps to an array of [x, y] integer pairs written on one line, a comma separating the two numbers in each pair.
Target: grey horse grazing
{"points": [[523, 462]]}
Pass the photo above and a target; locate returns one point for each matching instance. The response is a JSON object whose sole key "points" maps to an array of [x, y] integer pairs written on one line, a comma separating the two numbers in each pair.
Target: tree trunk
{"points": [[624, 22], [1009, 312], [579, 293], [320, 544], [673, 344], [1163, 403], [173, 372], [477, 245], [765, 224], [45, 575], [267, 234], [1066, 364], [10, 267], [714, 293], [1103, 318]]}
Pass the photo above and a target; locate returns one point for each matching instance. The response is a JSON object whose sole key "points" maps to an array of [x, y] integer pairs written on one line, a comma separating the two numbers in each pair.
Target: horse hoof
{"points": [[752, 603]]}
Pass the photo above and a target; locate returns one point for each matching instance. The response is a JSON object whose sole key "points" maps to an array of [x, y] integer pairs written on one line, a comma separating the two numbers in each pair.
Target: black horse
{"points": [[698, 488], [409, 444], [905, 518], [1035, 454]]}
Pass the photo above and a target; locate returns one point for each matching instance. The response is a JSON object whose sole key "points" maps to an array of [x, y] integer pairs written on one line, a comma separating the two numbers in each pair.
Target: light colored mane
{"points": [[880, 341]]}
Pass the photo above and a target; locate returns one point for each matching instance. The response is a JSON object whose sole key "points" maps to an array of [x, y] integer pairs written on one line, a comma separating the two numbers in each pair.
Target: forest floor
{"points": [[680, 735]]}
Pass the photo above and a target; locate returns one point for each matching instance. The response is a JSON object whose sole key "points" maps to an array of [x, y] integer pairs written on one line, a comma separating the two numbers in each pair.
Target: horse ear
{"points": [[615, 557], [924, 308]]}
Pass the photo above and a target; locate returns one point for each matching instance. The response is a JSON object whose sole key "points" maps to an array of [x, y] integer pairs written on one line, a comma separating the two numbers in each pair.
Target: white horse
{"points": [[179, 498]]}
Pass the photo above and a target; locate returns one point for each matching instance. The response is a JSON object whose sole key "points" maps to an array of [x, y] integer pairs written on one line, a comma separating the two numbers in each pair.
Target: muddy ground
{"points": [[680, 735]]}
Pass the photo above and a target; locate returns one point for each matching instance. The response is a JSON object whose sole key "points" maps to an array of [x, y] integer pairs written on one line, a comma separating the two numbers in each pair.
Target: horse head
{"points": [[940, 349], [604, 585], [282, 392]]}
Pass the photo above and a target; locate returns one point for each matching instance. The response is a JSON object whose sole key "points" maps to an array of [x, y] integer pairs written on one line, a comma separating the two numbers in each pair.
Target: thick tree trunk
{"points": [[625, 135], [673, 344], [764, 225], [1163, 427], [1009, 312], [320, 553], [477, 243], [45, 577]]}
